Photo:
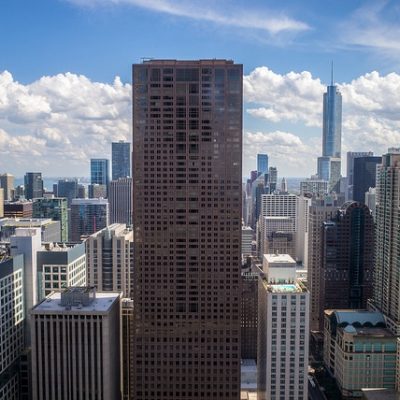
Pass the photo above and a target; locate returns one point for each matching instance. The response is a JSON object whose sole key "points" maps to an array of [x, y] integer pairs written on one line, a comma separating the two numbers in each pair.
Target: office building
{"points": [[67, 188], [76, 345], [81, 191], [329, 165], [187, 180], [120, 199], [60, 265], [313, 187], [50, 230], [247, 241], [18, 209], [284, 186], [87, 217], [321, 210], [272, 179], [120, 159], [387, 250], [1, 202], [302, 226], [347, 259], [99, 171], [97, 191], [370, 200], [109, 254], [7, 183], [283, 331], [33, 185], [27, 242], [359, 351], [262, 164], [127, 346], [249, 315], [12, 313], [351, 156], [54, 208], [364, 176]]}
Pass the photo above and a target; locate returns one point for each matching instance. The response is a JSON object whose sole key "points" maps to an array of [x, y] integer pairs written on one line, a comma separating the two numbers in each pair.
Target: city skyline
{"points": [[74, 99]]}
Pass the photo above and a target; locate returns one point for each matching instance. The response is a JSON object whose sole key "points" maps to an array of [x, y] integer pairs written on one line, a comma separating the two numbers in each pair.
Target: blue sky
{"points": [[90, 42]]}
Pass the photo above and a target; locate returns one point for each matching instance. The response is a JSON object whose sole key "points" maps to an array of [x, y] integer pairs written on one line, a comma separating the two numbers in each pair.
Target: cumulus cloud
{"points": [[294, 97], [61, 119], [371, 105]]}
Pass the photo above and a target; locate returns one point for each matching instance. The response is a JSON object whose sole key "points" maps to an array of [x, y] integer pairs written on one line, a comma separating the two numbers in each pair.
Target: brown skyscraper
{"points": [[187, 152]]}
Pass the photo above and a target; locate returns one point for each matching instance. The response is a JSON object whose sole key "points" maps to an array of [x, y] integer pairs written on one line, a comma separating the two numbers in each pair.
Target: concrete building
{"points": [[387, 244], [18, 209], [321, 210], [33, 185], [120, 159], [7, 183], [187, 180], [55, 208], [283, 331], [370, 200], [313, 187], [302, 226], [60, 265], [50, 230], [359, 351], [87, 217], [127, 346], [12, 313], [1, 203], [249, 315], [76, 346], [27, 242], [110, 258], [120, 199], [247, 241], [97, 191]]}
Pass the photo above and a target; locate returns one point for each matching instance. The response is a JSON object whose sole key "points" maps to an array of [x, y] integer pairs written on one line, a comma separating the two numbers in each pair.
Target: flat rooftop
{"points": [[380, 394], [296, 287], [101, 304], [279, 259]]}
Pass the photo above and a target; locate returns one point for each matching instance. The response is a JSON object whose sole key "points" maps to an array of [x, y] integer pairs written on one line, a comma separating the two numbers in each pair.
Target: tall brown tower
{"points": [[187, 180]]}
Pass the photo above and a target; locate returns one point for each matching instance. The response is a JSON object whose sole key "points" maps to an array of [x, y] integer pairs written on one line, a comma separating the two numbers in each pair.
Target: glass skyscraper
{"points": [[121, 159], [262, 163], [99, 171], [329, 165]]}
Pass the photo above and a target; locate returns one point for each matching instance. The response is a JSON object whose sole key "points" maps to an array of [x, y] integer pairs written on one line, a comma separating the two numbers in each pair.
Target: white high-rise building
{"points": [[370, 200], [109, 255], [247, 241], [11, 323], [27, 241], [76, 346], [283, 331], [303, 216]]}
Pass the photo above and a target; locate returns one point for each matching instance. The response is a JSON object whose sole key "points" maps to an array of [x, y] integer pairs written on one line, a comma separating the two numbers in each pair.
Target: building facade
{"points": [[109, 254], [12, 313], [283, 331], [99, 171], [313, 187], [33, 185], [77, 330], [50, 230], [60, 265], [68, 188], [7, 183], [351, 156], [364, 176], [87, 217], [120, 159], [18, 209], [262, 164], [120, 199], [187, 151], [54, 208]]}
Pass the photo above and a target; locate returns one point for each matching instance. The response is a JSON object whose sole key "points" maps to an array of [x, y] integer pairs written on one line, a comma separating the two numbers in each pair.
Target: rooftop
{"points": [[368, 331], [359, 317], [279, 259], [380, 394], [100, 304]]}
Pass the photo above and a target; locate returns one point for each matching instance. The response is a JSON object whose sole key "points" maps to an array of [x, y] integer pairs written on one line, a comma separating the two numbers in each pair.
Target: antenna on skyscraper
{"points": [[332, 73]]}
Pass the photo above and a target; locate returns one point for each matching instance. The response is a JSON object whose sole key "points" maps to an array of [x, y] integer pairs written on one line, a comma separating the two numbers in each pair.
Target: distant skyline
{"points": [[65, 66]]}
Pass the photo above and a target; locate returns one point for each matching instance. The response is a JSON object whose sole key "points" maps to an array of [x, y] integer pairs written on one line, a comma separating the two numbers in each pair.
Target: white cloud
{"points": [[294, 97], [225, 15], [371, 105], [63, 120]]}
